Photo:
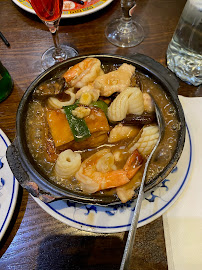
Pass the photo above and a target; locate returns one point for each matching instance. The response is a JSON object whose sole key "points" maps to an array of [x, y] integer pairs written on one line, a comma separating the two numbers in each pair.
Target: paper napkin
{"points": [[183, 220]]}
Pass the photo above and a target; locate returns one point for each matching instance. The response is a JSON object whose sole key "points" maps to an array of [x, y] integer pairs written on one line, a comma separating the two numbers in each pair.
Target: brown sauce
{"points": [[168, 143]]}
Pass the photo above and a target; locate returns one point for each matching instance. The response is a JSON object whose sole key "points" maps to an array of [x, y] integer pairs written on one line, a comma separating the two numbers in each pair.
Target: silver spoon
{"points": [[133, 227]]}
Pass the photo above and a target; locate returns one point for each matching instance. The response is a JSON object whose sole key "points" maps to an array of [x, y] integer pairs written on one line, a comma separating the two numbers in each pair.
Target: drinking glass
{"points": [[125, 32], [50, 11]]}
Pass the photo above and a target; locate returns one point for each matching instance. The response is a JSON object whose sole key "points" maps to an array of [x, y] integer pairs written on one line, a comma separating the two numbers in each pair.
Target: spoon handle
{"points": [[133, 227], [131, 235]]}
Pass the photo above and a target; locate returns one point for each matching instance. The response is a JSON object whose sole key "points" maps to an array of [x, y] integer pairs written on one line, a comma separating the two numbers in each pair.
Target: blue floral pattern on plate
{"points": [[8, 187], [117, 218]]}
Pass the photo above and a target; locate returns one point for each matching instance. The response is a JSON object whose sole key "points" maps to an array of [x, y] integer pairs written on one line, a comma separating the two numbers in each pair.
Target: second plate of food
{"points": [[70, 8]]}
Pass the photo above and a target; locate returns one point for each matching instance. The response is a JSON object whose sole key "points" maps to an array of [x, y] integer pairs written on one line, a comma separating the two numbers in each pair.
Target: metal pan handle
{"points": [[22, 175]]}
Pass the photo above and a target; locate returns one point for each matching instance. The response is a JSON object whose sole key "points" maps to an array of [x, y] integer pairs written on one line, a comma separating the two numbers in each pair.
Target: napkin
{"points": [[183, 220]]}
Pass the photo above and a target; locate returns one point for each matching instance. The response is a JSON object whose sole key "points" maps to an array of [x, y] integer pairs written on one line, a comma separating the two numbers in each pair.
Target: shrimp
{"points": [[98, 172], [83, 73]]}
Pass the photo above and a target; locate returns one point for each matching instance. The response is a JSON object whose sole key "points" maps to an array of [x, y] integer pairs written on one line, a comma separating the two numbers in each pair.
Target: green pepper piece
{"points": [[100, 104], [78, 126]]}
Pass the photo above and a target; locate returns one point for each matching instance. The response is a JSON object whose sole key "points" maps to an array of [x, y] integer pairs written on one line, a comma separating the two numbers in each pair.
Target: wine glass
{"points": [[50, 11], [125, 32]]}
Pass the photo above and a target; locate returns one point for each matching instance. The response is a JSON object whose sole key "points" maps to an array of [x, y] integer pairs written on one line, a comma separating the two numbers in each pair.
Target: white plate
{"points": [[8, 187], [71, 9], [118, 218]]}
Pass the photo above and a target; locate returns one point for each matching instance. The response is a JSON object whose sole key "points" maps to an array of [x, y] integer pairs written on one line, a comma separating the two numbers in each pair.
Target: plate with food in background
{"points": [[71, 9]]}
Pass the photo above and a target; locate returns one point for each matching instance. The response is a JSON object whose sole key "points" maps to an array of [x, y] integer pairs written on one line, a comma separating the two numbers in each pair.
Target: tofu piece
{"points": [[59, 127], [61, 131], [97, 121]]}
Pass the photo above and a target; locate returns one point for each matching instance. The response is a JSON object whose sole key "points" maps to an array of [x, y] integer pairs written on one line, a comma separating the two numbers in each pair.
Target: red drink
{"points": [[50, 11], [47, 10]]}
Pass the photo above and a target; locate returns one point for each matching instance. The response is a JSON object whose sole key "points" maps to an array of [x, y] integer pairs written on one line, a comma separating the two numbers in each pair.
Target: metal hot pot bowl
{"points": [[29, 175]]}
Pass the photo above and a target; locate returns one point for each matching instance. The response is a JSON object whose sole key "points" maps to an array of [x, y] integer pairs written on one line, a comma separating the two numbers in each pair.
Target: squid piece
{"points": [[128, 101], [115, 81], [147, 140], [56, 103], [67, 164], [135, 102]]}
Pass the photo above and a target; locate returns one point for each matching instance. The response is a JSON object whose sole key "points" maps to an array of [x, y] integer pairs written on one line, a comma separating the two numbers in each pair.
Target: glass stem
{"points": [[58, 50], [126, 6], [125, 25], [58, 54]]}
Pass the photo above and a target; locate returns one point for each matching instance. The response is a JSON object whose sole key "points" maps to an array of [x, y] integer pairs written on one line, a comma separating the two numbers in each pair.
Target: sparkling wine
{"points": [[50, 11], [47, 10]]}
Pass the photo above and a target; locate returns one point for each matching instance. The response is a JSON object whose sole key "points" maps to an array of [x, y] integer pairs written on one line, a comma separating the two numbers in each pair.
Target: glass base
{"points": [[124, 34], [47, 59]]}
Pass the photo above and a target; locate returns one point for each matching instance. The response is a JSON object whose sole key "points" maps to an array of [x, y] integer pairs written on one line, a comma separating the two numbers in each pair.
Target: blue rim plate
{"points": [[8, 187], [115, 219]]}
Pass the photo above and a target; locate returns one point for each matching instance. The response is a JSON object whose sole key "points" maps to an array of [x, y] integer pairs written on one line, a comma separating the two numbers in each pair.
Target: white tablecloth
{"points": [[183, 221]]}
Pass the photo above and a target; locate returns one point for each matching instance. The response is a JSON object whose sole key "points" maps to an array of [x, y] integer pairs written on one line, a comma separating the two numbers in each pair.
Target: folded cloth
{"points": [[183, 220]]}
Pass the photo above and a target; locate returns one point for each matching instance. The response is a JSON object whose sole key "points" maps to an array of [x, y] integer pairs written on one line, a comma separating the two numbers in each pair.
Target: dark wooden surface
{"points": [[34, 239]]}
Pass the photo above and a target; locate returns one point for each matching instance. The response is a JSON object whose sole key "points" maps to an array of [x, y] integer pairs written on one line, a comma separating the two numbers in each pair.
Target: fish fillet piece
{"points": [[115, 81]]}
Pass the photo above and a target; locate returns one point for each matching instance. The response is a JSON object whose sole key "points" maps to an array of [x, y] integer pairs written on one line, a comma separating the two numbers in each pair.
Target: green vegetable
{"points": [[78, 126], [100, 104]]}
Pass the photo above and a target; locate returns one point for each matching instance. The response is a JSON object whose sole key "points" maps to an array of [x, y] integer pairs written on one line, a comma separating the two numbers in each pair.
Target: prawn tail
{"points": [[114, 179], [71, 73], [133, 164], [131, 172]]}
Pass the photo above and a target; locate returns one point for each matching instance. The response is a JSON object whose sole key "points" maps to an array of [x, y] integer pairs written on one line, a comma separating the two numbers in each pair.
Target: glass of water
{"points": [[184, 54]]}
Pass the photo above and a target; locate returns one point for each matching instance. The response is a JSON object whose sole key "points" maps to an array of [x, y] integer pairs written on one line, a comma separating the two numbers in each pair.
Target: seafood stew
{"points": [[90, 128]]}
